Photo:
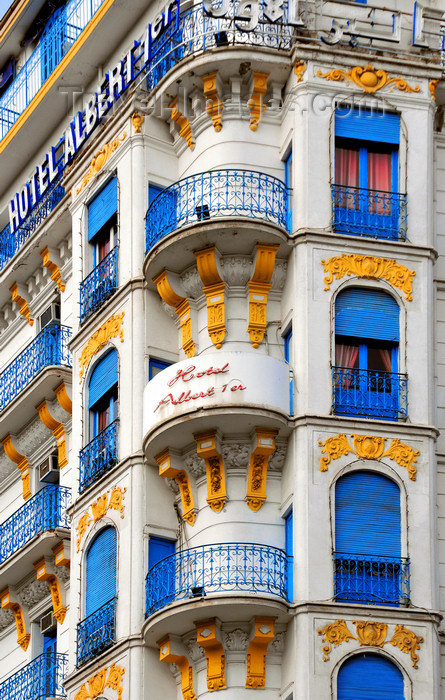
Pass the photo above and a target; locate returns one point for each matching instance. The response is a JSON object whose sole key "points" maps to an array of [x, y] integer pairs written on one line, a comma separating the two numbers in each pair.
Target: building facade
{"points": [[222, 353]]}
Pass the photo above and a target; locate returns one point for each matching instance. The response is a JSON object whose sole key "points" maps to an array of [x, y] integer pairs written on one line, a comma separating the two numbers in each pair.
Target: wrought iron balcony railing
{"points": [[10, 243], [42, 512], [38, 680], [99, 456], [370, 213], [215, 194], [96, 633], [369, 393], [365, 579], [219, 568], [55, 43], [49, 348], [99, 285]]}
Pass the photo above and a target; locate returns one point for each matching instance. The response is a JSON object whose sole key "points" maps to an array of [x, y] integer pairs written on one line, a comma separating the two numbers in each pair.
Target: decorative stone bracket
{"points": [[259, 287], [181, 306], [256, 480], [57, 430], [63, 398], [216, 661], [214, 291], [256, 103], [7, 603], [369, 267], [166, 462], [170, 653], [21, 302], [62, 555], [216, 483], [185, 130], [99, 681], [44, 574], [22, 463], [256, 653], [52, 267], [214, 105]]}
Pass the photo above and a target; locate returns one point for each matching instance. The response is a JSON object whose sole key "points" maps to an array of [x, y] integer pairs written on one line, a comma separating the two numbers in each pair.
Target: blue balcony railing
{"points": [[365, 579], [49, 348], [57, 39], [99, 456], [99, 285], [38, 680], [96, 633], [10, 243], [213, 195], [370, 213], [219, 568], [42, 512], [369, 393]]}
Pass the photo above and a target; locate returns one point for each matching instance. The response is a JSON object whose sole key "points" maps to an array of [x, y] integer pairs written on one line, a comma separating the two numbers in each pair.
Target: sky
{"points": [[4, 4]]}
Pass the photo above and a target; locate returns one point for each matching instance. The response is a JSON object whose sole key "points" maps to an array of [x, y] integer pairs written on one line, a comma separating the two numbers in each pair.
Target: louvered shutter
{"points": [[101, 570], [103, 377], [365, 125], [369, 677], [367, 515], [158, 549], [367, 313], [102, 208]]}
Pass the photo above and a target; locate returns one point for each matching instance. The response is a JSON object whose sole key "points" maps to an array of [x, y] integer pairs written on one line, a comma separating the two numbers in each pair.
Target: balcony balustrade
{"points": [[11, 243], [369, 393], [213, 195], [38, 680], [49, 348], [99, 285], [213, 569], [99, 456], [369, 213], [42, 512], [96, 633], [365, 579]]}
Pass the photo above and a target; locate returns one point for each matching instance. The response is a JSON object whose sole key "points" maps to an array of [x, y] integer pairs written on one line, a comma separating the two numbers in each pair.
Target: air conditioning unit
{"points": [[50, 315], [47, 623], [49, 470]]}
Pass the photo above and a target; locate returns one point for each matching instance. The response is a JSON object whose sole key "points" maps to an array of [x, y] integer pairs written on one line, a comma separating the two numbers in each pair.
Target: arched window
{"points": [[367, 559], [369, 677], [366, 373], [103, 393]]}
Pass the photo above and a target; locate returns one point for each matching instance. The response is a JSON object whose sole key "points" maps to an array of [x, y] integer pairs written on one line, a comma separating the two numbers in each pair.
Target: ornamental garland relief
{"points": [[369, 447], [99, 681], [369, 267], [99, 509], [112, 328], [368, 78]]}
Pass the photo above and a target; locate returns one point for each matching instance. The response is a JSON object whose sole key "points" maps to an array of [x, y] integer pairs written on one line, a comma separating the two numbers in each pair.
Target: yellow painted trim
{"points": [[257, 475], [53, 268], [7, 604], [214, 104], [214, 292], [99, 681], [63, 398], [214, 651], [182, 663], [181, 306], [111, 328], [59, 610], [57, 430], [181, 477], [369, 267], [21, 462], [21, 303], [256, 103], [259, 287], [256, 653], [185, 130], [62, 555], [91, 26], [216, 481]]}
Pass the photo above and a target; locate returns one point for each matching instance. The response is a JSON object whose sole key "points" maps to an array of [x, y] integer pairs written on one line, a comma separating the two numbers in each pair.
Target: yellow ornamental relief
{"points": [[112, 328], [371, 634], [369, 267], [368, 78], [99, 159], [334, 634], [99, 509], [408, 642], [100, 681], [369, 447]]}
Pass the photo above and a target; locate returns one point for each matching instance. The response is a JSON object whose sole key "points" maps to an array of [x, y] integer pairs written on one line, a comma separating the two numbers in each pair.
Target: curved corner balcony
{"points": [[48, 349], [369, 393], [96, 632], [99, 285], [255, 569], [44, 511], [99, 456], [213, 195], [42, 678], [369, 213], [372, 580]]}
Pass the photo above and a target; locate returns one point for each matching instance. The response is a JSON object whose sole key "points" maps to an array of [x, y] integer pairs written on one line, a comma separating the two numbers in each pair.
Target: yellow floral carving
{"points": [[299, 69], [368, 78], [368, 446], [371, 634], [371, 268], [116, 501], [114, 680], [82, 525], [98, 683], [408, 642], [112, 328], [334, 447], [432, 87], [404, 455], [100, 508], [137, 121], [99, 159], [335, 634]]}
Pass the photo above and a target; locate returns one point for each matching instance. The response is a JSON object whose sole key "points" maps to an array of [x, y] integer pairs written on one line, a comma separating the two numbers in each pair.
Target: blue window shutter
{"points": [[289, 549], [367, 126], [367, 515], [103, 377], [369, 677], [101, 570], [102, 208], [159, 548], [367, 313]]}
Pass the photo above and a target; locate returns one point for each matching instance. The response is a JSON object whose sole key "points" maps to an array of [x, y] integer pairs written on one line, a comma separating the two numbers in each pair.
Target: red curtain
{"points": [[385, 354], [346, 355], [347, 174], [379, 178]]}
